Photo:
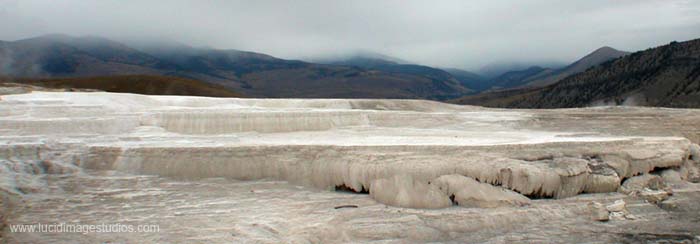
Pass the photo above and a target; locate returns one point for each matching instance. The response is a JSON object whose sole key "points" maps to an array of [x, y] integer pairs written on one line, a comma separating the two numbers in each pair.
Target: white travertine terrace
{"points": [[406, 153], [327, 143]]}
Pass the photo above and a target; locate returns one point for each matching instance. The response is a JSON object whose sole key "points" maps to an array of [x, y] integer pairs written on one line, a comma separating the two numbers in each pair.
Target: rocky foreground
{"points": [[334, 170]]}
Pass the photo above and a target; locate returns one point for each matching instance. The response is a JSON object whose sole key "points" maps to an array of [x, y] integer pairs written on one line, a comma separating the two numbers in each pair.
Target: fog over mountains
{"points": [[363, 75], [538, 76], [476, 36], [320, 49], [665, 76], [253, 74]]}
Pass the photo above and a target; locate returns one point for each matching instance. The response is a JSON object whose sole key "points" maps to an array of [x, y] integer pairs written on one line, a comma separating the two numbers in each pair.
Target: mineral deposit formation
{"points": [[337, 170]]}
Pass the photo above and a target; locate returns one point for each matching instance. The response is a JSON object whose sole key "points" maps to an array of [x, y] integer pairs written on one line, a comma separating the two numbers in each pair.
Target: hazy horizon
{"points": [[459, 34]]}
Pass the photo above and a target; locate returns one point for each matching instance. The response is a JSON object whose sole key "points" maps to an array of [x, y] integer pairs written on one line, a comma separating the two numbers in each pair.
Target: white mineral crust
{"points": [[265, 170]]}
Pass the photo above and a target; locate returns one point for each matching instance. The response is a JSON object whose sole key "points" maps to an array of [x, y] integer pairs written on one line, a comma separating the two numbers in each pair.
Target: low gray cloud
{"points": [[448, 33]]}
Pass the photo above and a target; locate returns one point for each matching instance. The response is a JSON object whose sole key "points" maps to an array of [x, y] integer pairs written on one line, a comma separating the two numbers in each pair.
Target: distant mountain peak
{"points": [[358, 55], [605, 52], [605, 48], [666, 76], [594, 58], [51, 36]]}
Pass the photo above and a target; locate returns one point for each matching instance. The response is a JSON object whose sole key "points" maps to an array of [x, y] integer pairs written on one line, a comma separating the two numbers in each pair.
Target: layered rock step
{"points": [[406, 153], [554, 170]]}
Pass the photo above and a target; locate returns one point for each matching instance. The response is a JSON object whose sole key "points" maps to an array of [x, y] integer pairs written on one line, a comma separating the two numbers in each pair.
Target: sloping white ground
{"points": [[405, 153], [323, 143]]}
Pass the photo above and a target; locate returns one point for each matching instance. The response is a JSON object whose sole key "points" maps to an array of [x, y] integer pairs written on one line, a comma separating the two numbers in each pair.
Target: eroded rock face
{"points": [[602, 176], [654, 196], [405, 191], [598, 211], [638, 183], [617, 163], [467, 192], [617, 206], [444, 191], [672, 176], [690, 170]]}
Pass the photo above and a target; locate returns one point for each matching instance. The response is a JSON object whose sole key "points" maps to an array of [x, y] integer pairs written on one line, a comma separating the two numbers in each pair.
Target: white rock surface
{"points": [[404, 191], [468, 192], [638, 183], [598, 211], [326, 143], [617, 206], [654, 196], [92, 157], [691, 169]]}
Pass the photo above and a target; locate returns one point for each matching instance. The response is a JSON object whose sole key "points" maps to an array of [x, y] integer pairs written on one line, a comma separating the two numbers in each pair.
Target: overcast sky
{"points": [[461, 33]]}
